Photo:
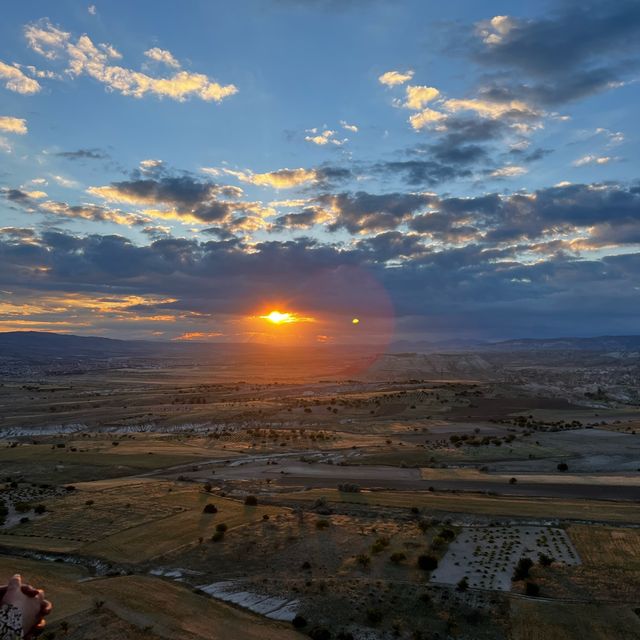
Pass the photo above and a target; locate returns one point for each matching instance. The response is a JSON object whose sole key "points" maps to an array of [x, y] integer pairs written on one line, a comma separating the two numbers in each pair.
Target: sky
{"points": [[376, 169]]}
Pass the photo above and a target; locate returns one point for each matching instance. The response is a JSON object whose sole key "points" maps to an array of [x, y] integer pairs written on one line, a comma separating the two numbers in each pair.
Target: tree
{"points": [[463, 585], [427, 562], [532, 589], [563, 466], [251, 501], [207, 487], [210, 508], [522, 569], [222, 527]]}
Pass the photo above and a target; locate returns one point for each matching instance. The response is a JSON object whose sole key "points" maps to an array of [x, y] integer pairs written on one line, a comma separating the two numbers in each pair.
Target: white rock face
{"points": [[270, 606]]}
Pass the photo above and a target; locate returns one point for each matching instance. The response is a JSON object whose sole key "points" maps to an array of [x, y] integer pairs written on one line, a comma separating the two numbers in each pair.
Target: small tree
{"points": [[251, 501], [522, 569], [532, 589], [563, 466], [210, 508], [427, 562], [463, 585]]}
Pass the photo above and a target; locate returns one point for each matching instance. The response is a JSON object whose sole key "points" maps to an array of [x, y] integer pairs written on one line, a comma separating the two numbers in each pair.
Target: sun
{"points": [[276, 317]]}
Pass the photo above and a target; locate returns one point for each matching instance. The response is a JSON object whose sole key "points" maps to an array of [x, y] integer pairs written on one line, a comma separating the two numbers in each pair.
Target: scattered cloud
{"points": [[83, 57], [83, 154], [10, 124], [592, 159], [16, 80], [323, 137], [419, 95], [510, 171], [280, 179], [163, 56], [394, 78], [92, 9], [349, 127]]}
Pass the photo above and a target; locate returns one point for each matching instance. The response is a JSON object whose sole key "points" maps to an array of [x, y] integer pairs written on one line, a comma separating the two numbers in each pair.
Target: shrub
{"points": [[251, 501], [210, 508], [40, 509], [463, 585], [298, 622], [222, 527], [513, 480], [380, 544], [563, 466], [532, 589], [207, 487], [397, 557], [322, 524], [522, 569], [217, 536], [363, 560], [545, 560], [427, 562], [319, 633]]}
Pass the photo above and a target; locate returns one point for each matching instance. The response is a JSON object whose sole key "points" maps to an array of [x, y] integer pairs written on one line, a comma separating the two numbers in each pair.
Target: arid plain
{"points": [[472, 498]]}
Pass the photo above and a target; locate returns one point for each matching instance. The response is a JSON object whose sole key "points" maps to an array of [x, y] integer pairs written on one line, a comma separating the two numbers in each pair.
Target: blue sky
{"points": [[440, 170]]}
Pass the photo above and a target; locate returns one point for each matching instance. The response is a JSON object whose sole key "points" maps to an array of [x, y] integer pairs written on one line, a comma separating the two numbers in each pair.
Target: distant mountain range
{"points": [[36, 345], [598, 343]]}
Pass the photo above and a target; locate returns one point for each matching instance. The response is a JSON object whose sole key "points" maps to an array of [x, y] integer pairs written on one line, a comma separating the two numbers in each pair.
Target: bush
{"points": [[251, 501], [363, 560], [463, 585], [40, 509], [427, 562], [217, 536], [545, 560], [322, 524], [348, 487], [319, 633], [532, 589], [222, 527], [298, 622], [522, 569], [563, 466], [380, 544], [397, 557], [210, 508]]}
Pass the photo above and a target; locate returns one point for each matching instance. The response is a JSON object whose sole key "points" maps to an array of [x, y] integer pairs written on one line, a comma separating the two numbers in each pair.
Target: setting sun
{"points": [[280, 318]]}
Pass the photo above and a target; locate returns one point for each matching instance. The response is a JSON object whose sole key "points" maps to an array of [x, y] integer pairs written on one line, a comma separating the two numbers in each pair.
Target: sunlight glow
{"points": [[278, 317]]}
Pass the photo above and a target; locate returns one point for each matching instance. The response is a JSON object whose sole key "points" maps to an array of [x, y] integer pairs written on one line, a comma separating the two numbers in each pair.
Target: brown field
{"points": [[599, 511], [130, 521], [531, 620], [153, 607]]}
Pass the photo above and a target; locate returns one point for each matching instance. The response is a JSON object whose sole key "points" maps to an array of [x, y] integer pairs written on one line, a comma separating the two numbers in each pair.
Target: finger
{"points": [[15, 582], [30, 591], [45, 608]]}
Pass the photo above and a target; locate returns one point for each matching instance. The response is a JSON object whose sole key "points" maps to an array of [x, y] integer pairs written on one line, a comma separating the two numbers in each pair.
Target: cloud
{"points": [[323, 137], [17, 81], [579, 49], [184, 198], [492, 109], [426, 118], [83, 57], [10, 124], [349, 127], [510, 171], [83, 154], [280, 179], [419, 95], [363, 212], [163, 56], [394, 78], [592, 159], [92, 9]]}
